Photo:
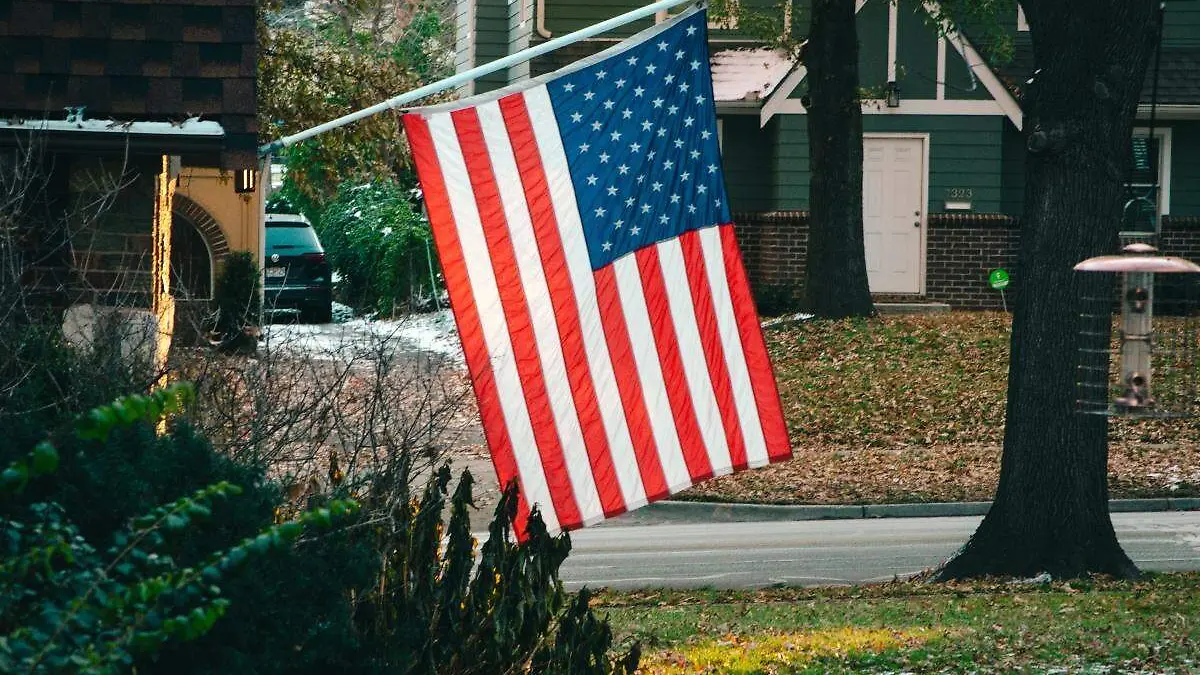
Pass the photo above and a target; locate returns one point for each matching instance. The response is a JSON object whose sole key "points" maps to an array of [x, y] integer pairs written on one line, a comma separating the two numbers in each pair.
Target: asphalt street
{"points": [[824, 552]]}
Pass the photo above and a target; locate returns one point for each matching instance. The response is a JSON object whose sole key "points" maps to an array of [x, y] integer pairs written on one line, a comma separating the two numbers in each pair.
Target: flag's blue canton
{"points": [[640, 134]]}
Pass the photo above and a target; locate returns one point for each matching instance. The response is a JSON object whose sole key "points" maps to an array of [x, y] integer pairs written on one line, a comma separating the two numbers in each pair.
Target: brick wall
{"points": [[774, 247], [962, 250]]}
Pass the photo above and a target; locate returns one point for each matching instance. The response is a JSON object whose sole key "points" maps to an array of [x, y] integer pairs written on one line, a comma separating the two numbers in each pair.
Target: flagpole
{"points": [[476, 72]]}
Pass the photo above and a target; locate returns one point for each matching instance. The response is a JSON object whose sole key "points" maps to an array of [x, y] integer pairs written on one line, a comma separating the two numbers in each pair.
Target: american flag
{"points": [[584, 234]]}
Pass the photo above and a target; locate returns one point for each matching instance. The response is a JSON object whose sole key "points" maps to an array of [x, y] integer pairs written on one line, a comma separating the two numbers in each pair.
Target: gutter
{"points": [[541, 20]]}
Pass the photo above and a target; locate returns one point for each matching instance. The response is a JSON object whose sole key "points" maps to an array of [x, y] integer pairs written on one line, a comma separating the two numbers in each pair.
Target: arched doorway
{"points": [[197, 247]]}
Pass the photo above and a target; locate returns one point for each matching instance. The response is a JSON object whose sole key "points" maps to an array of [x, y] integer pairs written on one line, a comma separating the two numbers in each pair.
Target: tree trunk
{"points": [[836, 269], [1051, 508]]}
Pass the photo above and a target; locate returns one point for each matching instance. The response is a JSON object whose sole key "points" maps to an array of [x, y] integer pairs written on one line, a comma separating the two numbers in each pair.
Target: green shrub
{"points": [[67, 607], [379, 244], [288, 610], [237, 303], [437, 611], [46, 382]]}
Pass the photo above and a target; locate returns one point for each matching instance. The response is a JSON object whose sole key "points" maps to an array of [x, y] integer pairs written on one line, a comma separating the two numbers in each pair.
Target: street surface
{"points": [[824, 552]]}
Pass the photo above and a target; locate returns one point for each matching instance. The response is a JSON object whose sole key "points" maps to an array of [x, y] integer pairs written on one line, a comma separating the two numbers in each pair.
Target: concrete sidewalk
{"points": [[710, 512]]}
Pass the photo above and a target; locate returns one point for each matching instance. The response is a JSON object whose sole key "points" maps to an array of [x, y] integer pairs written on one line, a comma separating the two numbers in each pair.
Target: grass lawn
{"points": [[911, 409], [1089, 626]]}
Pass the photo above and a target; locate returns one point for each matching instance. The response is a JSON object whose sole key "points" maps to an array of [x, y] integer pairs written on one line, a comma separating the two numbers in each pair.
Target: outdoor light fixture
{"points": [[245, 180], [1142, 361], [893, 94]]}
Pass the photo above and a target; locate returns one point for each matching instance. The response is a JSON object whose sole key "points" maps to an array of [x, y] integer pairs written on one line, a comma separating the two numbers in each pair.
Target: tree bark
{"points": [[1051, 508], [836, 267]]}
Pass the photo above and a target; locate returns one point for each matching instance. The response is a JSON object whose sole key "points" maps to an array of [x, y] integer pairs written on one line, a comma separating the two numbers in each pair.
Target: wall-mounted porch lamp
{"points": [[892, 92], [245, 180]]}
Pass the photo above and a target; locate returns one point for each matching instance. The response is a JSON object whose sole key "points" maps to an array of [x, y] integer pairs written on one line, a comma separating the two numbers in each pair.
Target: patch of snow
{"points": [[342, 313], [432, 333], [193, 126], [786, 320], [1043, 578]]}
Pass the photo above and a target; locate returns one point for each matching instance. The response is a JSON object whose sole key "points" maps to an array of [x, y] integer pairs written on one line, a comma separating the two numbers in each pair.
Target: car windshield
{"points": [[297, 236]]}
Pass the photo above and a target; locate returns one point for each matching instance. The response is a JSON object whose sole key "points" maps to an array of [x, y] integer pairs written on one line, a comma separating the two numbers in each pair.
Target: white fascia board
{"points": [[1169, 111], [940, 85], [893, 39], [775, 101], [913, 107], [975, 62], [191, 127], [738, 107]]}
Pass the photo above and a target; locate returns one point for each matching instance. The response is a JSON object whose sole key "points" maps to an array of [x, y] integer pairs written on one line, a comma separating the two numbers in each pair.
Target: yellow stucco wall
{"points": [[239, 215]]}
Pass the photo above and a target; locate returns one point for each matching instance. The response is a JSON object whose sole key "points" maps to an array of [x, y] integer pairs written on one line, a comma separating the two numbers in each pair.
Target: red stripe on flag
{"points": [[466, 314], [562, 296], [714, 352], [629, 385], [667, 343], [516, 314], [758, 362]]}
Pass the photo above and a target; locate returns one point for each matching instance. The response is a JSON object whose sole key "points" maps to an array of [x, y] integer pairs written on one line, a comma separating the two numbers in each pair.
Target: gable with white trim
{"points": [[936, 74]]}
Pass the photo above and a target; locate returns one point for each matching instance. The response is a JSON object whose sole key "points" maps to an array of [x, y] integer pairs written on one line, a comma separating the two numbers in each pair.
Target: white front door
{"points": [[893, 212]]}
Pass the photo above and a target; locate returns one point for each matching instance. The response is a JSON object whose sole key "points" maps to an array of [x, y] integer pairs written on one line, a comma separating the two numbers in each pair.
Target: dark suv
{"points": [[296, 275]]}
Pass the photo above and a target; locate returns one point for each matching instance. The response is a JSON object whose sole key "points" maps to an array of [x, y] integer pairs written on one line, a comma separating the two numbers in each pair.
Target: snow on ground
{"points": [[432, 333], [429, 333]]}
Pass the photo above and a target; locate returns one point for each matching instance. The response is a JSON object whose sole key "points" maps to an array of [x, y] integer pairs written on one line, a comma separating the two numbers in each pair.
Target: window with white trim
{"points": [[1148, 190]]}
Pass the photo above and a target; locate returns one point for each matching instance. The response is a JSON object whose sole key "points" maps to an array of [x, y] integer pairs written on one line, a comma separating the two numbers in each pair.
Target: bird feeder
{"points": [[1138, 353]]}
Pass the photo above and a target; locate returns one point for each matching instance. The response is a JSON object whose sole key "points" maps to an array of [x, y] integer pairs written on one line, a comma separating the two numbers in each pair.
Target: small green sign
{"points": [[998, 279]]}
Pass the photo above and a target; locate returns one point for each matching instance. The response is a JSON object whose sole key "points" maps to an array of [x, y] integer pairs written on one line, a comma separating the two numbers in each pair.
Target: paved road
{"points": [[827, 552]]}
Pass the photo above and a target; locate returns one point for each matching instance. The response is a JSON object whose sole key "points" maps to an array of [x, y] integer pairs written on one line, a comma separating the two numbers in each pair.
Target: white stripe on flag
{"points": [[735, 358], [541, 311], [654, 390], [691, 352], [579, 266], [491, 315]]}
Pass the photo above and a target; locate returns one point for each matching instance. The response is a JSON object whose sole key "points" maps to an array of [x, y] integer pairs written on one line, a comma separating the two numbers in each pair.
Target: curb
{"points": [[712, 512]]}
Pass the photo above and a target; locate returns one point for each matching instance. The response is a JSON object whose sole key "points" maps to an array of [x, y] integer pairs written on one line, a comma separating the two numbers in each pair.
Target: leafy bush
{"points": [[66, 607], [436, 610], [46, 381], [237, 303], [379, 244]]}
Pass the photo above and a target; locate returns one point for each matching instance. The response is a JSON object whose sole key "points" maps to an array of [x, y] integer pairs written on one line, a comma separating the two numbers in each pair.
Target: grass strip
{"points": [[1092, 625]]}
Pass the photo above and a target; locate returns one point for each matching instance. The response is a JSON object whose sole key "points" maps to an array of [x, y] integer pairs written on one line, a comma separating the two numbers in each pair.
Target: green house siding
{"points": [[564, 16], [1012, 171], [965, 157], [872, 26], [1185, 169], [791, 162], [1181, 25], [746, 153], [916, 52], [961, 83], [491, 37]]}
